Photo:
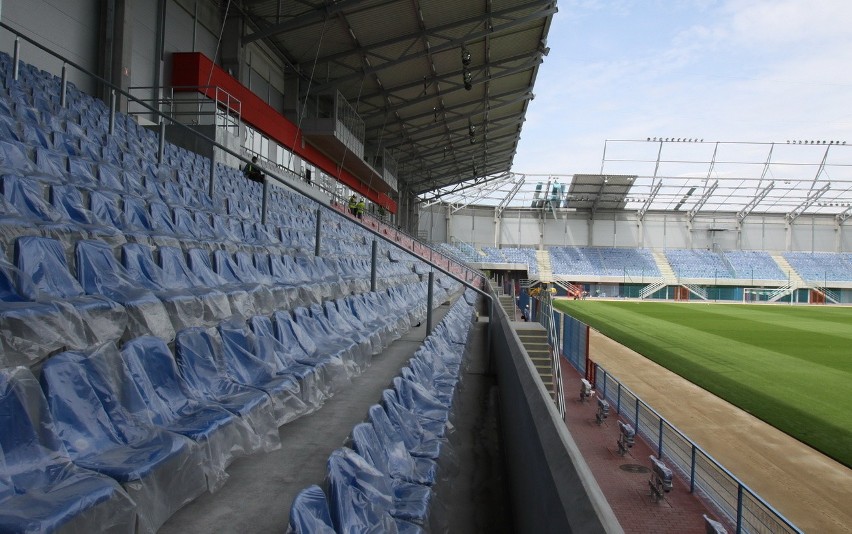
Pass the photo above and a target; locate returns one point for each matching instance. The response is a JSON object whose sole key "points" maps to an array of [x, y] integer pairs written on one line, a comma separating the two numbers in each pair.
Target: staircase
{"points": [[795, 283], [545, 271], [668, 277], [535, 343], [698, 291], [508, 304]]}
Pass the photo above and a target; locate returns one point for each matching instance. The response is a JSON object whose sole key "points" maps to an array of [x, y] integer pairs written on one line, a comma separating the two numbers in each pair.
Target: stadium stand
{"points": [[600, 261], [821, 266], [754, 264], [695, 263], [116, 257]]}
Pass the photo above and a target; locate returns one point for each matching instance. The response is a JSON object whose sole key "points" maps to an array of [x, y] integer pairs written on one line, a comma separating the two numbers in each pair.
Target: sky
{"points": [[721, 70]]}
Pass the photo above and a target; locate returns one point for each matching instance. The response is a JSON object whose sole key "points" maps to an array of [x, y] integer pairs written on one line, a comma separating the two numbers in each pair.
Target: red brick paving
{"points": [[628, 493]]}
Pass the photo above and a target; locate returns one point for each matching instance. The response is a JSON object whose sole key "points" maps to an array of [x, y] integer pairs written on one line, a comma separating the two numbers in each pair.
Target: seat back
{"points": [[199, 262], [360, 497], [43, 261], [79, 415], [291, 332], [152, 367], [104, 207], [198, 351], [269, 349], [175, 268], [309, 513], [238, 352], [138, 261]]}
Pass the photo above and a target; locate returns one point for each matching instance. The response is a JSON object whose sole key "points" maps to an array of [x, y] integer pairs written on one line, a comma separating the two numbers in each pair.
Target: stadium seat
{"points": [[188, 305], [309, 513], [158, 469], [198, 352], [100, 273], [223, 435], [282, 361], [301, 345], [41, 490], [239, 350], [42, 260]]}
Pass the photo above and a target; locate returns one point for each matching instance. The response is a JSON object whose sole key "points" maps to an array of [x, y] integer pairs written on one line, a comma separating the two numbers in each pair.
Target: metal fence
{"points": [[705, 476]]}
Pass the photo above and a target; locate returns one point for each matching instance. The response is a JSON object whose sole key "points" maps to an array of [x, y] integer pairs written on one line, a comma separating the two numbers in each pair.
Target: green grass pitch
{"points": [[791, 366]]}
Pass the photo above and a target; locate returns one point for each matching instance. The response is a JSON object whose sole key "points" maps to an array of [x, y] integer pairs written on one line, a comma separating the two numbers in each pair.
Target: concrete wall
{"points": [[525, 228], [551, 487], [68, 27]]}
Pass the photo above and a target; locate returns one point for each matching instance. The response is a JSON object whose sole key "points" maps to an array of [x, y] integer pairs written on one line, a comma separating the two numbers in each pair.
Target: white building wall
{"points": [[68, 27], [522, 228]]}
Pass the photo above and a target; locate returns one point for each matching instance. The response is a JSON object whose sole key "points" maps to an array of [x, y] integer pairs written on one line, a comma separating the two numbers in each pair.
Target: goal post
{"points": [[758, 294]]}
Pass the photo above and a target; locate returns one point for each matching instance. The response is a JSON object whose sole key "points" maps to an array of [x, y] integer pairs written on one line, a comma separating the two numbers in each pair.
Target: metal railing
{"points": [[224, 108], [549, 320], [705, 476]]}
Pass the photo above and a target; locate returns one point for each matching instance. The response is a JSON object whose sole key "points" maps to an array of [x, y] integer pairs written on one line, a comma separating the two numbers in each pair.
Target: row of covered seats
{"points": [[385, 482], [151, 291], [821, 267], [163, 425]]}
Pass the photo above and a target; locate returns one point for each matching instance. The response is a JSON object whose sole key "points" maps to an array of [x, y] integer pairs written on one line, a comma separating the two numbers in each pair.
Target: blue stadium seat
{"points": [[423, 437], [419, 400], [309, 513], [188, 304], [315, 324], [303, 348], [347, 325], [315, 385], [199, 262], [404, 464], [42, 260], [41, 490], [362, 499], [222, 435], [198, 352], [155, 467], [239, 351], [100, 273]]}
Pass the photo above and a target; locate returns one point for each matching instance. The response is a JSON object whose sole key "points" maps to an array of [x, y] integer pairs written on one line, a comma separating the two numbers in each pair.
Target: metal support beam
{"points": [[647, 204], [508, 198], [318, 236], [758, 198], [808, 202], [841, 217], [16, 58], [430, 296], [703, 200], [112, 111], [374, 264], [63, 94], [161, 147], [264, 206], [211, 180]]}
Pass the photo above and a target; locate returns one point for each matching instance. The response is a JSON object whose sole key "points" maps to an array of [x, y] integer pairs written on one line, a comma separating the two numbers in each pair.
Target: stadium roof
{"points": [[692, 176], [443, 84]]}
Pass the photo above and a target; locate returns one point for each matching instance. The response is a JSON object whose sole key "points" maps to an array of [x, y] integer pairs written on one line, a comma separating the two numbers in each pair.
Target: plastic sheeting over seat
{"points": [[43, 261], [41, 490], [363, 499], [309, 513], [187, 305], [239, 349], [198, 352], [158, 469], [223, 435], [100, 273]]}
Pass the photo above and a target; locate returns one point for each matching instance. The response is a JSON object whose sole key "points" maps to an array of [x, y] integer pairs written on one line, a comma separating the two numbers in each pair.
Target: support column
{"points": [[318, 238], [429, 298], [115, 47], [374, 265]]}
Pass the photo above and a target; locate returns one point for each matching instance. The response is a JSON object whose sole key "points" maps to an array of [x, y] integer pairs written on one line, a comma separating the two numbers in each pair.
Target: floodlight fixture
{"points": [[465, 56], [626, 437], [468, 79]]}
